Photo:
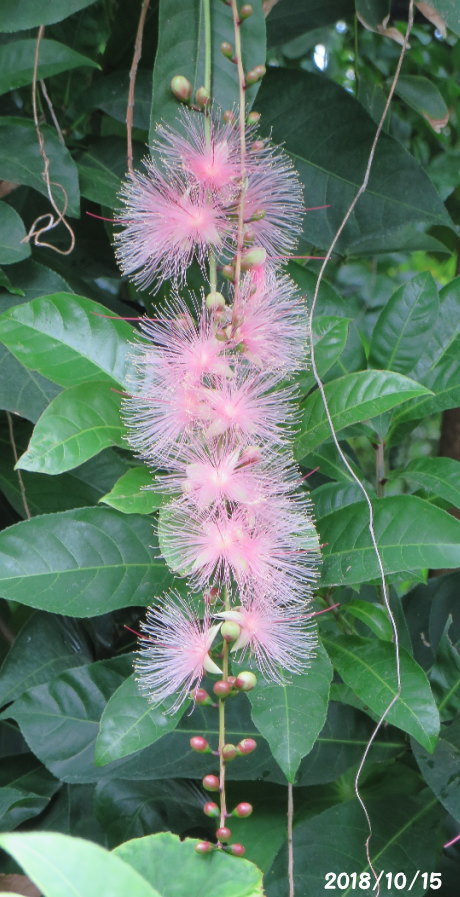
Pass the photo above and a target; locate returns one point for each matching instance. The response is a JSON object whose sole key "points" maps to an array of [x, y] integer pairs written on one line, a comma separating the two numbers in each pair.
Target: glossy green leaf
{"points": [[17, 58], [102, 167], [109, 92], [368, 668], [26, 14], [448, 9], [61, 865], [134, 493], [444, 382], [221, 875], [68, 339], [22, 391], [332, 162], [445, 672], [351, 399], [411, 534], [26, 789], [438, 476], [441, 770], [81, 563], [330, 464], [444, 332], [374, 616], [333, 496], [329, 338], [78, 424], [21, 162], [12, 232], [372, 12], [423, 95], [31, 279], [404, 324], [280, 712], [333, 841], [45, 646], [129, 723], [298, 16]]}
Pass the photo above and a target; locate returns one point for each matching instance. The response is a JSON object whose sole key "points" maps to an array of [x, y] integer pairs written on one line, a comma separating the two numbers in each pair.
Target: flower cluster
{"points": [[212, 405]]}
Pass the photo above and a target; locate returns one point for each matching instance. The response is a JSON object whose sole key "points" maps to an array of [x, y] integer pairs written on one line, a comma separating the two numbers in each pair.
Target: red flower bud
{"points": [[246, 681], [229, 752], [222, 688], [223, 834], [242, 810], [200, 696], [228, 116], [228, 271], [247, 746], [210, 783], [181, 88], [202, 96], [253, 117], [237, 850], [211, 809], [204, 847], [231, 680], [246, 11], [255, 74], [198, 743]]}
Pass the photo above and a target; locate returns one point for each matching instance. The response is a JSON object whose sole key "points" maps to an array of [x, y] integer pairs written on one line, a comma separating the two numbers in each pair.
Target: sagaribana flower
{"points": [[280, 638], [174, 651]]}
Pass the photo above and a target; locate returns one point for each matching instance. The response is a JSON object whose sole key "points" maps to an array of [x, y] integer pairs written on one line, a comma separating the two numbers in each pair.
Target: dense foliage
{"points": [[82, 752]]}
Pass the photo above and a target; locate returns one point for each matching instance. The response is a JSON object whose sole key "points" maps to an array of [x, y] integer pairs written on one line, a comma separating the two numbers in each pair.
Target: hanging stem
{"points": [[242, 128], [222, 741], [207, 122], [290, 818], [132, 83]]}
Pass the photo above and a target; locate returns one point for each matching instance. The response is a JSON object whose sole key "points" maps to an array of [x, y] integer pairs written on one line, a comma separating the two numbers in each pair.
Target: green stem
{"points": [[222, 742], [207, 123], [242, 127]]}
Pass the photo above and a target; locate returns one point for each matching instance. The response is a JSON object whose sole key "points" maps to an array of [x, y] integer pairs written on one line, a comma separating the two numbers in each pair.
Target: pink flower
{"points": [[273, 203], [270, 321], [279, 637], [174, 651], [166, 223]]}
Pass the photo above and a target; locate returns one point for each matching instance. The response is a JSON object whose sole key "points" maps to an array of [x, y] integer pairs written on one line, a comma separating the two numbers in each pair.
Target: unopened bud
{"points": [[211, 595], [253, 258], [228, 271], [228, 116], [223, 834], [246, 11], [230, 630], [198, 743], [227, 50], [229, 752], [257, 146], [204, 847], [222, 688], [255, 74], [201, 697], [211, 809], [231, 680], [210, 783], [202, 96], [248, 236], [253, 117], [251, 455], [259, 215], [246, 681], [246, 746], [215, 300], [237, 850], [181, 88], [242, 810]]}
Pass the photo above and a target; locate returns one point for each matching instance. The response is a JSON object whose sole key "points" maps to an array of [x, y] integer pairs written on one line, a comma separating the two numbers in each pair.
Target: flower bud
{"points": [[246, 11], [231, 680], [202, 96], [181, 88], [221, 688], [237, 850], [246, 746], [210, 783], [253, 117], [201, 697], [215, 300], [255, 74], [246, 681], [229, 752], [253, 257], [242, 810], [228, 271], [199, 744], [227, 50], [251, 455], [256, 147], [230, 630], [223, 834], [204, 847], [228, 116], [248, 236], [211, 595], [211, 809]]}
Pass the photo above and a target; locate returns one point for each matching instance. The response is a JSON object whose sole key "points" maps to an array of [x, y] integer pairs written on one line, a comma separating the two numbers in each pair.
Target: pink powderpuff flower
{"points": [[280, 638], [166, 223], [207, 150], [270, 321], [174, 651], [274, 205]]}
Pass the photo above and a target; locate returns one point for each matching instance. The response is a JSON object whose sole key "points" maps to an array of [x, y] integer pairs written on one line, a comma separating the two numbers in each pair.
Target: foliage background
{"points": [[82, 754]]}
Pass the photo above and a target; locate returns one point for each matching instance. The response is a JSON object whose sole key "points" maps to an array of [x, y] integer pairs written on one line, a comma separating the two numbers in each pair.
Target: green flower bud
{"points": [[246, 681], [181, 88], [253, 257], [202, 97], [227, 50], [255, 74], [246, 11], [230, 630]]}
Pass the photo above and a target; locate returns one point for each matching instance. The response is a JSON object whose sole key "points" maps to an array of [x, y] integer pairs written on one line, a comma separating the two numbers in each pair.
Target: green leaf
{"points": [[110, 93], [61, 865], [68, 339], [181, 52], [438, 476], [81, 563], [22, 391], [17, 58], [444, 381], [351, 399], [422, 95], [78, 424], [134, 493], [333, 496], [26, 788], [374, 616], [21, 162], [411, 534], [404, 324], [102, 167], [221, 875], [45, 646], [129, 723], [332, 162], [329, 338], [449, 12], [298, 16], [441, 770], [368, 668], [280, 712], [12, 232], [445, 672], [32, 279], [372, 12]]}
